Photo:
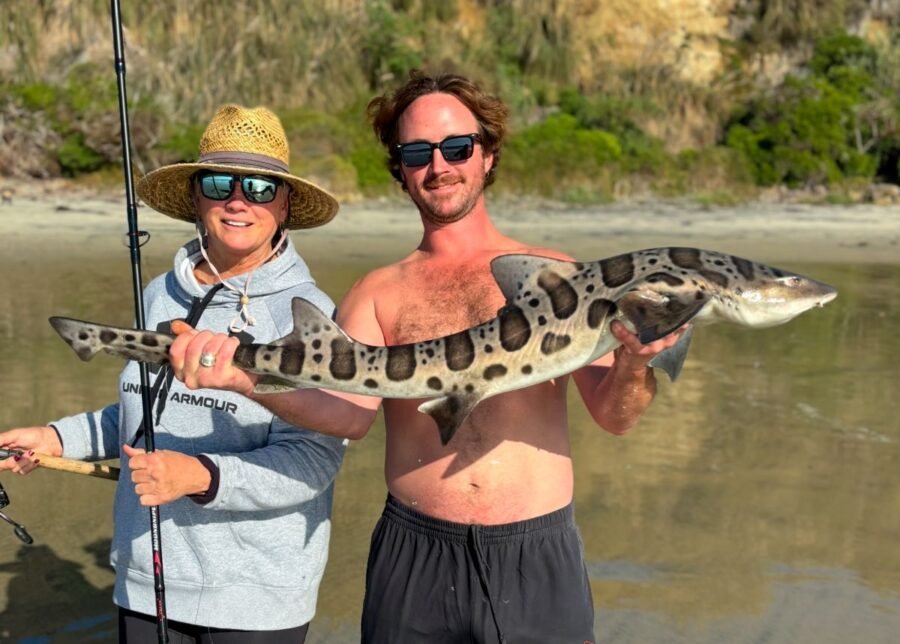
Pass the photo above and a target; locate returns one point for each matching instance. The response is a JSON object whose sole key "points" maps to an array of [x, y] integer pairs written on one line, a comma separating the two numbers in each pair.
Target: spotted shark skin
{"points": [[556, 319]]}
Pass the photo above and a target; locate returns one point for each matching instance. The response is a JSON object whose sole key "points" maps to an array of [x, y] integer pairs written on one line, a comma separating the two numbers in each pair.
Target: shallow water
{"points": [[756, 502]]}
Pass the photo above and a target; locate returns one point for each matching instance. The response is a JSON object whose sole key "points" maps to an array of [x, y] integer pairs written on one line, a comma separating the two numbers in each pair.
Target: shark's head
{"points": [[771, 297]]}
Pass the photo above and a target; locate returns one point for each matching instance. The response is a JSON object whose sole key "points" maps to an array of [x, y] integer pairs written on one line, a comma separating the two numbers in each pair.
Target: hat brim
{"points": [[168, 190]]}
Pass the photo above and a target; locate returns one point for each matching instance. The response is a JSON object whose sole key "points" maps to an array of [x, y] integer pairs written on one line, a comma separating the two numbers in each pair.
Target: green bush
{"points": [[812, 129], [75, 157]]}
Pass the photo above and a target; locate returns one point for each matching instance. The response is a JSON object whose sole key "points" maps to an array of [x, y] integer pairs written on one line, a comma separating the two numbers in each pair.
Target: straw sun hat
{"points": [[243, 141]]}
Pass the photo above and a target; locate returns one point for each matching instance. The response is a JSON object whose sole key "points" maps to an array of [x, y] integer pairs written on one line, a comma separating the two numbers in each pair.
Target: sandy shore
{"points": [[769, 232]]}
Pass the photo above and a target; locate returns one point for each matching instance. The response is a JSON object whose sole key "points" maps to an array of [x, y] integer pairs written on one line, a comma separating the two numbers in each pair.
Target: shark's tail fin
{"points": [[87, 340]]}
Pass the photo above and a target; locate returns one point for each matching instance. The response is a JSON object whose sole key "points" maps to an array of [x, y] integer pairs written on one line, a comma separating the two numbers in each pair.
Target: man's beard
{"points": [[443, 217]]}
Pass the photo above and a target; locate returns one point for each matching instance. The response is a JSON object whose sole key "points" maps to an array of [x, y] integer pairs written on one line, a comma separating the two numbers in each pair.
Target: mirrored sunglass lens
{"points": [[259, 189], [416, 154], [216, 186], [458, 148]]}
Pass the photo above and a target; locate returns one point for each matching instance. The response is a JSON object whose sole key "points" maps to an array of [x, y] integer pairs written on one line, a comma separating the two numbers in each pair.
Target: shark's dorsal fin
{"points": [[515, 274], [656, 314], [309, 320], [672, 359], [449, 412]]}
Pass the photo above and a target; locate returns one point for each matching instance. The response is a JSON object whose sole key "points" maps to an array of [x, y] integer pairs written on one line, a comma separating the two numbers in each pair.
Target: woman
{"points": [[246, 498]]}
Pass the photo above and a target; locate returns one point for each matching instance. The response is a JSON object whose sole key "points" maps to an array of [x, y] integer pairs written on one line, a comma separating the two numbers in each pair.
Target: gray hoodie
{"points": [[252, 557]]}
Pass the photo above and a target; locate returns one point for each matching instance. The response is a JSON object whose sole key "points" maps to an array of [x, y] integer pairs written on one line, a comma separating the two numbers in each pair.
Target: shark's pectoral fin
{"points": [[449, 412], [672, 359], [269, 384], [655, 314]]}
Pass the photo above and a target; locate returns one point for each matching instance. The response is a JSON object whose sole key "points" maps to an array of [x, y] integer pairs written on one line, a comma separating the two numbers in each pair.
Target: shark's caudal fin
{"points": [[87, 340], [449, 412]]}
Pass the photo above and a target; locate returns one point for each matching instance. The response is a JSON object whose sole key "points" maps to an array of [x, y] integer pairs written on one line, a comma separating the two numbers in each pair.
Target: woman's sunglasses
{"points": [[220, 185], [454, 148]]}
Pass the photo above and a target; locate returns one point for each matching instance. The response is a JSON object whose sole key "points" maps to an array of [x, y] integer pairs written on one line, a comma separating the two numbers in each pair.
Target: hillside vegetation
{"points": [[711, 98]]}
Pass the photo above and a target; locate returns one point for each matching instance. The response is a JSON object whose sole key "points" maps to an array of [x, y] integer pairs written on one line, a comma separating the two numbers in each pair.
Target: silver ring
{"points": [[207, 359]]}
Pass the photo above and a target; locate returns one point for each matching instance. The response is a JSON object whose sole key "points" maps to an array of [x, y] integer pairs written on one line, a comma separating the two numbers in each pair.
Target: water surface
{"points": [[756, 502]]}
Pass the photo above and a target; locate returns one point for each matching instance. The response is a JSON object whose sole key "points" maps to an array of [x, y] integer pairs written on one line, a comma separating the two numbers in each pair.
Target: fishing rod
{"points": [[137, 283], [20, 530], [67, 464]]}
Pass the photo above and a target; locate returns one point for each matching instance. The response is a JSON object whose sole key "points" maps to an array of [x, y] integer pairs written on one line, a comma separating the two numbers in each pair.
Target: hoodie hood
{"points": [[286, 270]]}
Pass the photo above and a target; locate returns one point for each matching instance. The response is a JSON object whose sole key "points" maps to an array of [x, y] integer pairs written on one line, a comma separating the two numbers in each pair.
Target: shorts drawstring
{"points": [[475, 545]]}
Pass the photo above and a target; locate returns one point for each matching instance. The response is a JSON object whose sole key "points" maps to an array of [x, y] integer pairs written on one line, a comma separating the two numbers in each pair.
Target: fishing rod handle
{"points": [[71, 465]]}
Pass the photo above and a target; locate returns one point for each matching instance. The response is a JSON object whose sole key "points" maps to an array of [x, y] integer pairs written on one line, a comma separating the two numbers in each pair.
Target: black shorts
{"points": [[137, 628], [436, 581]]}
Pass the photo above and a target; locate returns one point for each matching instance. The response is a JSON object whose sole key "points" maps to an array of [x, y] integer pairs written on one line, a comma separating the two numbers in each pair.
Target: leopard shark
{"points": [[556, 319]]}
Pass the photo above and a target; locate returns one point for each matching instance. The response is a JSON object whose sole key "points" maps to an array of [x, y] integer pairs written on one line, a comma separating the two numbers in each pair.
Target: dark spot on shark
{"points": [[317, 358], [534, 302], [435, 383], [316, 328], [291, 363], [267, 357], [371, 384], [599, 310], [617, 271], [744, 267], [429, 352], [563, 297], [459, 351], [527, 369], [470, 388], [83, 335], [401, 362], [372, 360], [589, 288], [488, 348], [107, 336], [542, 320], [317, 344], [714, 277], [551, 343], [668, 278], [494, 371], [149, 341], [343, 362], [315, 377], [686, 258], [514, 328], [245, 356]]}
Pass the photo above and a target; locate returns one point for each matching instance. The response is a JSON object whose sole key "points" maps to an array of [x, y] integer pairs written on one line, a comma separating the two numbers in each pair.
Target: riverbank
{"points": [[60, 214]]}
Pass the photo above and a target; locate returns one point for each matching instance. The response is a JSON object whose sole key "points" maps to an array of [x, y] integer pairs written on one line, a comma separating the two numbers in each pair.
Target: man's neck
{"points": [[468, 236]]}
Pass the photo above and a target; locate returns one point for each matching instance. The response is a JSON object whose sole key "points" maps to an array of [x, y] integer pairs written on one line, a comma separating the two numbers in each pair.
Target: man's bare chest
{"points": [[438, 303]]}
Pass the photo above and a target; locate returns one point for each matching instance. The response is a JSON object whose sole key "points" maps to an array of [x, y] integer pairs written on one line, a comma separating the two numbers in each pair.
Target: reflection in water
{"points": [[755, 503]]}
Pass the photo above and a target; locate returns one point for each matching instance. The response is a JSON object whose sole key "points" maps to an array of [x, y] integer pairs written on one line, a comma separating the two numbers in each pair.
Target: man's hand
{"points": [[164, 476], [184, 356], [635, 356], [29, 440]]}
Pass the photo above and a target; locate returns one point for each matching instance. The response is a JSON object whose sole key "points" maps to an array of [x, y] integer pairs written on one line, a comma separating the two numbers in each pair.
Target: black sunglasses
{"points": [[454, 148], [220, 185]]}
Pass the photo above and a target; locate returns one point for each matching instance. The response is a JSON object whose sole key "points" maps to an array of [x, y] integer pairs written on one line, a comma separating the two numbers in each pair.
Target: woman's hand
{"points": [[164, 476], [29, 440]]}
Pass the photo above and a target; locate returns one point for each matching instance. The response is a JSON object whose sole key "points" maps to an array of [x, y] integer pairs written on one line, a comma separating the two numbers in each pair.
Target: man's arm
{"points": [[619, 387]]}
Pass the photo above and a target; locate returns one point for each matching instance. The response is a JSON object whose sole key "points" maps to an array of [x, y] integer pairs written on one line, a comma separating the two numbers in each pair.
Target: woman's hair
{"points": [[490, 112]]}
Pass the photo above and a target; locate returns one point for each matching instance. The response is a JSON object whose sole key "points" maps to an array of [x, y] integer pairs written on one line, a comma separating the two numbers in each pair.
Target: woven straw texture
{"points": [[236, 129]]}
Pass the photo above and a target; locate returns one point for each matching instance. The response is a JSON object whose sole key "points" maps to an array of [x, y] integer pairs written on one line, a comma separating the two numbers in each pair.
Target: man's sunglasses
{"points": [[454, 148], [220, 185]]}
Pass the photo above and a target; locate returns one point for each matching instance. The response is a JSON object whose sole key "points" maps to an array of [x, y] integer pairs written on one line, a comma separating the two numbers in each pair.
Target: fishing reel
{"points": [[19, 529]]}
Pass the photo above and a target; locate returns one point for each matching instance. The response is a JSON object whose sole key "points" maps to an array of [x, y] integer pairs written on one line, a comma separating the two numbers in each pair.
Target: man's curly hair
{"points": [[490, 112]]}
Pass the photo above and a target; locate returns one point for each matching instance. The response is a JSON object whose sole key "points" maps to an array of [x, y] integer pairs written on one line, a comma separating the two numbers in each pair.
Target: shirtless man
{"points": [[477, 541]]}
